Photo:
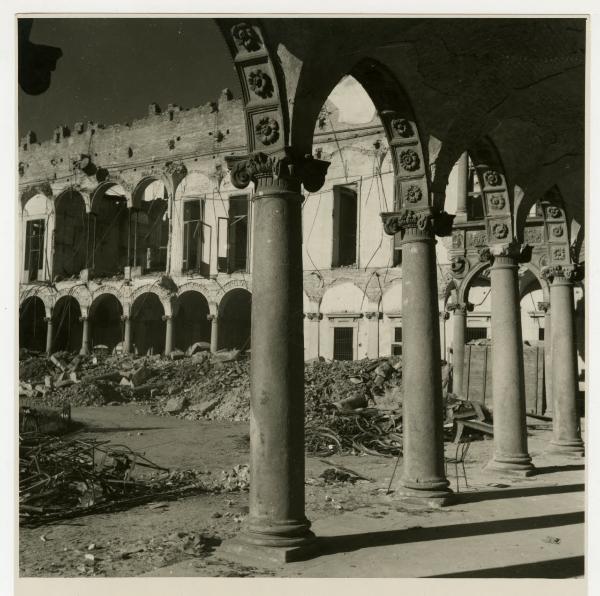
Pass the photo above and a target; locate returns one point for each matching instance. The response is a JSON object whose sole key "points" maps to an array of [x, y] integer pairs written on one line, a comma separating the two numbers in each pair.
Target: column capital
{"points": [[47, 319], [460, 308], [284, 171], [125, 318], [506, 254], [313, 316], [83, 319], [167, 317], [423, 224], [560, 273], [544, 306], [444, 315], [211, 317]]}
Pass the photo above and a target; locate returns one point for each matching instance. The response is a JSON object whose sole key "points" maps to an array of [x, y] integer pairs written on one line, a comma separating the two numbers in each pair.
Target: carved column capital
{"points": [[47, 319], [560, 273], [83, 319], [417, 225], [544, 306], [211, 317], [125, 318], [167, 317], [313, 316], [461, 308], [444, 315], [285, 171]]}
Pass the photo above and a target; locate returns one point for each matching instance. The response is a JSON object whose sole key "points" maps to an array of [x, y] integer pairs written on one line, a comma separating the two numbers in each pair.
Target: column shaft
{"points": [[168, 334], [423, 475], [49, 335], [85, 337], [463, 188], [277, 374], [373, 335], [508, 377], [458, 349], [214, 332], [566, 428], [127, 335]]}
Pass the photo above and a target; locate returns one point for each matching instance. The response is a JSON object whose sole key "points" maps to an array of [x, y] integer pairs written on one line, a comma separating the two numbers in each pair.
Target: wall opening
{"points": [[397, 343], [475, 333], [196, 238], [191, 324], [32, 326], [345, 219], [150, 227], [343, 343], [235, 228], [147, 325], [105, 321], [234, 319], [110, 232], [34, 248], [70, 236], [68, 328]]}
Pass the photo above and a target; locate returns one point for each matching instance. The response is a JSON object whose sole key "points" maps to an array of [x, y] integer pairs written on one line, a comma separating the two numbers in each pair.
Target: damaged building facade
{"points": [[134, 237], [456, 214]]}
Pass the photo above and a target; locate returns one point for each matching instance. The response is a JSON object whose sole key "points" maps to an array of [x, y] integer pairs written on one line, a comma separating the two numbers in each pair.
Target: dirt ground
{"points": [[498, 528]]}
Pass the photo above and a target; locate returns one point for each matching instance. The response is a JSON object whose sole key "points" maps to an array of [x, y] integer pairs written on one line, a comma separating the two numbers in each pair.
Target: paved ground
{"points": [[530, 527]]}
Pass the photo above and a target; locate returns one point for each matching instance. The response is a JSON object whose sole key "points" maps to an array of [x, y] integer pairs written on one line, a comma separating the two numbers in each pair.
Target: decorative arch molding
{"points": [[75, 189], [112, 180], [43, 293], [42, 188], [106, 290], [465, 286], [263, 84], [165, 297], [81, 293], [234, 284], [146, 180], [194, 286], [498, 200], [536, 271]]}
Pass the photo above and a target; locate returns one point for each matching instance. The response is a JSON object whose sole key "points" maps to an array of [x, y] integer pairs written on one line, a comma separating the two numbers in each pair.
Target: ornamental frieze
{"points": [[534, 235], [476, 238]]}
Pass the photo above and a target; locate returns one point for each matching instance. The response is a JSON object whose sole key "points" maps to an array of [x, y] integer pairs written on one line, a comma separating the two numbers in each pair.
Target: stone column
{"points": [[545, 306], [423, 480], [49, 335], [168, 334], [444, 316], [459, 324], [126, 334], [277, 528], [85, 336], [566, 430], [508, 377], [373, 334], [463, 188], [312, 341], [214, 332]]}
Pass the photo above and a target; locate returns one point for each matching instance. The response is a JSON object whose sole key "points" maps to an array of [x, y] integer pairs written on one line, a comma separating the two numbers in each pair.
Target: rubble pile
{"points": [[65, 478]]}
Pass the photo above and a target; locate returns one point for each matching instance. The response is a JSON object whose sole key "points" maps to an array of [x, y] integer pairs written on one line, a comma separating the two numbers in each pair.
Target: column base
{"points": [[574, 447], [427, 496], [520, 467], [246, 548]]}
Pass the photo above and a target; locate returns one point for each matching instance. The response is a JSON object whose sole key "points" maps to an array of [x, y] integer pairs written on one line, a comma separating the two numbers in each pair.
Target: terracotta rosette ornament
{"points": [[246, 37], [409, 160], [260, 82], [267, 130]]}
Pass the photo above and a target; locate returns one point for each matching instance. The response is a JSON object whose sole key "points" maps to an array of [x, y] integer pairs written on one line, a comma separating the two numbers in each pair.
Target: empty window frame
{"points": [[541, 334], [234, 236], [196, 238], [343, 343], [345, 225], [474, 333], [34, 248], [397, 343]]}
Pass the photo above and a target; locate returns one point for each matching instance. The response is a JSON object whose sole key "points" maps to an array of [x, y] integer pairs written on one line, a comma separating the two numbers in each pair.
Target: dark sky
{"points": [[112, 68]]}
